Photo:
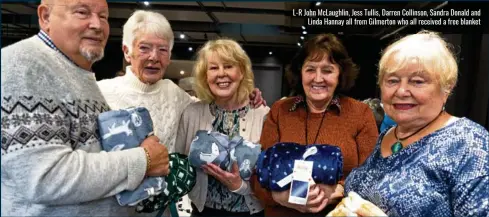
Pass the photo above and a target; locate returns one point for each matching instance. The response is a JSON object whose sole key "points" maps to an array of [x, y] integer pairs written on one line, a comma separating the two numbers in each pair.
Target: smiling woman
{"points": [[147, 42], [432, 163], [319, 115], [147, 45], [223, 82], [224, 73]]}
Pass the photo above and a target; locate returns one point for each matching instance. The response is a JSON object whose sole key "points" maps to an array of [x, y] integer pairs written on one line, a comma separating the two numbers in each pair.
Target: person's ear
{"points": [[127, 56], [44, 13], [446, 94]]}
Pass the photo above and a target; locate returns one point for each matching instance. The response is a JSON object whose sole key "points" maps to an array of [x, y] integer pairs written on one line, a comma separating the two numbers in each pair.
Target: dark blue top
{"points": [[445, 173]]}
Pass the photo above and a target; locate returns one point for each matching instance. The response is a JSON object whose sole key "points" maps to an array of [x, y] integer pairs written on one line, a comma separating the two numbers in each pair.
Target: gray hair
{"points": [[146, 22]]}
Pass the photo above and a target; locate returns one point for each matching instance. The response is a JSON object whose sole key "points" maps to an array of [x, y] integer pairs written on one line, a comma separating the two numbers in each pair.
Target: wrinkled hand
{"points": [[316, 200], [158, 153], [282, 198], [256, 99], [232, 180], [369, 209], [337, 195], [355, 204], [334, 193]]}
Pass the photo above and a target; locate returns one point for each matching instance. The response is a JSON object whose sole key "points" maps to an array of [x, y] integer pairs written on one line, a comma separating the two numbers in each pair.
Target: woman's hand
{"points": [[282, 198], [369, 209], [256, 99], [354, 201], [316, 201], [232, 180], [334, 193]]}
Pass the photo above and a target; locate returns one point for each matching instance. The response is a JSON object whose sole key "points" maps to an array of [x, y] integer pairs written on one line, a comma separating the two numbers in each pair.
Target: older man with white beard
{"points": [[52, 163]]}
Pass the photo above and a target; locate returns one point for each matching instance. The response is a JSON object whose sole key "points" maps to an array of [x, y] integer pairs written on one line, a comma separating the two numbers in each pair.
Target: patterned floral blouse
{"points": [[218, 195], [445, 173]]}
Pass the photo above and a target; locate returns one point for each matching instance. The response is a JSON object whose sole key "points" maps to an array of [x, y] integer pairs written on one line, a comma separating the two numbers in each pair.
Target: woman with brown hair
{"points": [[319, 114]]}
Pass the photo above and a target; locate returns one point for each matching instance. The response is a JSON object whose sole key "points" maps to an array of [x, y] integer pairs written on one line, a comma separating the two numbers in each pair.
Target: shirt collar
{"points": [[333, 105], [47, 40]]}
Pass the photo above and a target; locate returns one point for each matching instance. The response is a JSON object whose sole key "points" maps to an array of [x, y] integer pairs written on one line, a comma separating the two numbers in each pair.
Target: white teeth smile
{"points": [[224, 84], [318, 87]]}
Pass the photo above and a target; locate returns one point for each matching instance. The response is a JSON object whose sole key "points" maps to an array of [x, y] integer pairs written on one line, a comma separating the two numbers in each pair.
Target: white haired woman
{"points": [[223, 82], [147, 43], [431, 163]]}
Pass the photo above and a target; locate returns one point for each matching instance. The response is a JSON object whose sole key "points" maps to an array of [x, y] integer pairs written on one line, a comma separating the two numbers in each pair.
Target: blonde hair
{"points": [[429, 51], [146, 22], [228, 51]]}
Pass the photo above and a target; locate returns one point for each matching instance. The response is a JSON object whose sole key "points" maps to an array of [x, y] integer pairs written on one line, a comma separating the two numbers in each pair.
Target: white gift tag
{"points": [[301, 181]]}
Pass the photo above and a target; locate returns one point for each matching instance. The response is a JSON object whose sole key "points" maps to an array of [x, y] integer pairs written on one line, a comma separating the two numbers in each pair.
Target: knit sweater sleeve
{"points": [[184, 99], [41, 160], [368, 134], [191, 118], [182, 137], [269, 136]]}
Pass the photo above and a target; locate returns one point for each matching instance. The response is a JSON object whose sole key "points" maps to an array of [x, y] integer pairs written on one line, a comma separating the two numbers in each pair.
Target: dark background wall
{"points": [[112, 61]]}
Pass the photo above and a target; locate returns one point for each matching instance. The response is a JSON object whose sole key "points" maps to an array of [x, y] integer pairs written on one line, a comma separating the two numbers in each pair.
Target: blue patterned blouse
{"points": [[445, 173]]}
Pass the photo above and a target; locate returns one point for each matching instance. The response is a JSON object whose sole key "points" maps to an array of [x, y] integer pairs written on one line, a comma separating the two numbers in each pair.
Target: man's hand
{"points": [[256, 99], [158, 155], [232, 180]]}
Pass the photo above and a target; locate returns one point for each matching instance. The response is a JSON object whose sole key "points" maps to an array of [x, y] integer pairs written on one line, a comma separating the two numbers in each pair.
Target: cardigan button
{"points": [[244, 129], [244, 119]]}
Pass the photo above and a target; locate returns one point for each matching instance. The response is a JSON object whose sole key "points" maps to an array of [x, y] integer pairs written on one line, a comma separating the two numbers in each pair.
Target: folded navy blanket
{"points": [[219, 149], [277, 163]]}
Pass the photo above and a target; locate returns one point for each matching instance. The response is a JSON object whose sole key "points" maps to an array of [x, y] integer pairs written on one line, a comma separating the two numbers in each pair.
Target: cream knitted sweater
{"points": [[164, 100]]}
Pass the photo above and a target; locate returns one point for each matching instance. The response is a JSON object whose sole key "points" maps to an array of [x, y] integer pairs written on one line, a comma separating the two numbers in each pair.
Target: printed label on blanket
{"points": [[301, 177]]}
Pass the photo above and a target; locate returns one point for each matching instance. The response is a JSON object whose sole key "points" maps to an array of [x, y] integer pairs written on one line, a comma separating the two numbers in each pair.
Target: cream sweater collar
{"points": [[134, 82]]}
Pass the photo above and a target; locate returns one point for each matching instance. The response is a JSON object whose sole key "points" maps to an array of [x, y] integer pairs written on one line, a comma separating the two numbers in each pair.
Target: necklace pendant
{"points": [[396, 147]]}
